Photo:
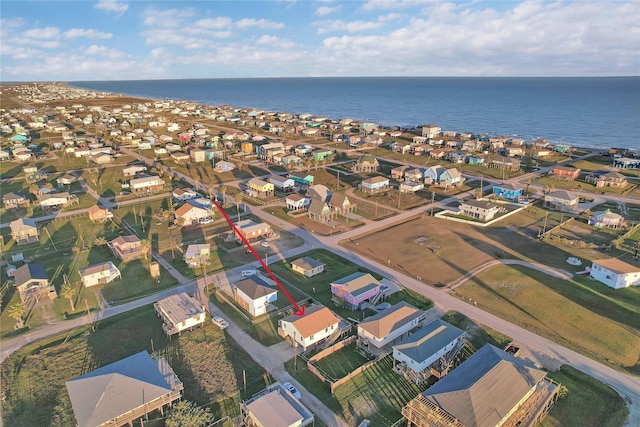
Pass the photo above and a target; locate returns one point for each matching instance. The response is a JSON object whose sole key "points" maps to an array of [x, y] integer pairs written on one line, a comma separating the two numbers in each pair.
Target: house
{"points": [[561, 200], [179, 312], [341, 204], [98, 214], [101, 158], [354, 290], [32, 281], [55, 201], [607, 179], [197, 254], [254, 295], [374, 184], [307, 266], [254, 230], [490, 388], [475, 159], [36, 176], [99, 274], [302, 179], [414, 174], [507, 191], [223, 166], [127, 248], [123, 392], [297, 202], [320, 154], [259, 188], [133, 170], [147, 184], [615, 273], [479, 209], [320, 211], [410, 186], [366, 164], [620, 162], [432, 175], [282, 184], [397, 173], [317, 324], [24, 231], [319, 192], [197, 155], [15, 201], [606, 219], [179, 157], [66, 179], [184, 194], [505, 163], [388, 326], [565, 172], [431, 131], [191, 214], [450, 178], [275, 407], [415, 355]]}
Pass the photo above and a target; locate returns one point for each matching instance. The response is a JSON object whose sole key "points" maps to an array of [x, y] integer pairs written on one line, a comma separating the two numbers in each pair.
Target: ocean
{"points": [[593, 112]]}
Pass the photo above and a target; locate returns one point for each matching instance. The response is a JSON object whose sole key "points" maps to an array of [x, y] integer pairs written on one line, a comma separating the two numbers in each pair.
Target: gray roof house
{"points": [[491, 388], [124, 391]]}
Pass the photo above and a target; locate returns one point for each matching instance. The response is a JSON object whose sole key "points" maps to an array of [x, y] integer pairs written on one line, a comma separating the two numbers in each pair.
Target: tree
{"points": [[100, 241], [187, 414], [145, 245], [17, 312], [67, 291], [238, 198]]}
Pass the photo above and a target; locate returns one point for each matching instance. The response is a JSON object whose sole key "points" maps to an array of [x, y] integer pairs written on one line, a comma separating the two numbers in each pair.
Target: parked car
{"points": [[220, 322], [264, 243], [294, 391]]}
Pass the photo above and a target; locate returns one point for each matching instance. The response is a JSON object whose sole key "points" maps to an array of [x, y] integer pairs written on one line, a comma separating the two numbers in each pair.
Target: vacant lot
{"points": [[341, 363], [210, 365], [580, 313], [439, 251]]}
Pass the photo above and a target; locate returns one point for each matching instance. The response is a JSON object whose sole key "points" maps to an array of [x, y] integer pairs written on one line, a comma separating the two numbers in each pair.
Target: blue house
{"points": [[507, 191], [474, 159], [301, 178]]}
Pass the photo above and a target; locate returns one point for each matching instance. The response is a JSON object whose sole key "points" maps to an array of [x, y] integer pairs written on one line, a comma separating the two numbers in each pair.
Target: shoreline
{"points": [[592, 148]]}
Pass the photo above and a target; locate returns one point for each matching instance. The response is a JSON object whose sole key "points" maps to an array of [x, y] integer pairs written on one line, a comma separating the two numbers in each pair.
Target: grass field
{"points": [[589, 403], [580, 313], [209, 364], [341, 363]]}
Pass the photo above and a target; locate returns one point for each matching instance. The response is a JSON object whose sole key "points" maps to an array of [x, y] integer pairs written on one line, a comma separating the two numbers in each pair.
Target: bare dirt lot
{"points": [[440, 251]]}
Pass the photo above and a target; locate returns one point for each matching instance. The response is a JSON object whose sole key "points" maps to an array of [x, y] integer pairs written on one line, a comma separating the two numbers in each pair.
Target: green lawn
{"points": [[581, 313], [478, 335], [342, 362], [210, 365], [589, 403], [411, 297]]}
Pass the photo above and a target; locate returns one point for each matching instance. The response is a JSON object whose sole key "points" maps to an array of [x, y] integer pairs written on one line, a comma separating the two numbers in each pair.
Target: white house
{"points": [[307, 266], [183, 194], [193, 214], [254, 295], [479, 209], [99, 274], [420, 350], [615, 273], [297, 202], [388, 326], [317, 324], [147, 184], [179, 312]]}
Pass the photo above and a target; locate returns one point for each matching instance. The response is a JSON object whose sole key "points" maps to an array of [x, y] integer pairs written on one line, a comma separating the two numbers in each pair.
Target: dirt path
{"points": [[551, 271]]}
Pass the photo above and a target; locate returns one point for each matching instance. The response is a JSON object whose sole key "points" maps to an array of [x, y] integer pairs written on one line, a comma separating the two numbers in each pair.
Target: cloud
{"points": [[104, 52], [46, 33], [219, 23], [84, 33], [170, 18], [20, 53], [326, 10], [342, 26], [390, 4], [112, 6], [264, 24]]}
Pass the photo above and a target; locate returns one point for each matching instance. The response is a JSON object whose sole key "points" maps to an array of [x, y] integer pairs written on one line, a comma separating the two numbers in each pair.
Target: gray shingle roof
{"points": [[428, 340], [30, 272]]}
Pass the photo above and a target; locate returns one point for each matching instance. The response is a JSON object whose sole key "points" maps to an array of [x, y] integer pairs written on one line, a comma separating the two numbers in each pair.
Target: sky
{"points": [[135, 40]]}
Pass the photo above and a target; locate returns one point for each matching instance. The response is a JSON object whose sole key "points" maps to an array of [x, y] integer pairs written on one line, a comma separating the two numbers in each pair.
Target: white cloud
{"points": [[167, 18], [42, 33], [104, 52], [20, 53], [343, 26], [264, 24], [219, 23], [326, 10], [86, 33], [390, 4], [112, 6]]}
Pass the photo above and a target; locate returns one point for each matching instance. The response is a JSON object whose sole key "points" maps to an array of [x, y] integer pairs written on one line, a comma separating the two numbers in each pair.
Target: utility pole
{"points": [[544, 228]]}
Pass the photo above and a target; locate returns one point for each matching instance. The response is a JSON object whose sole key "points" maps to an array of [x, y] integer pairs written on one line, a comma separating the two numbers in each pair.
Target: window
{"points": [[311, 337]]}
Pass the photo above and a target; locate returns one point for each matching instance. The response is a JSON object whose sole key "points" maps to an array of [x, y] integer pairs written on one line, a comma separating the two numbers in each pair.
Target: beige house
{"points": [[317, 324], [127, 248], [479, 209], [388, 326], [179, 312], [98, 214], [99, 274], [366, 164], [307, 266], [24, 231]]}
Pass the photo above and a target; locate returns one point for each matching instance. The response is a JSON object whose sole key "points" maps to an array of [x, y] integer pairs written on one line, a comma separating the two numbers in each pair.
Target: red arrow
{"points": [[299, 310]]}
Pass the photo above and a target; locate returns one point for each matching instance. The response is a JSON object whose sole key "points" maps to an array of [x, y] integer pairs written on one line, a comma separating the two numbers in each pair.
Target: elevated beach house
{"points": [[99, 274], [318, 324], [354, 290], [179, 312], [380, 331], [24, 231], [127, 248], [32, 282], [254, 295]]}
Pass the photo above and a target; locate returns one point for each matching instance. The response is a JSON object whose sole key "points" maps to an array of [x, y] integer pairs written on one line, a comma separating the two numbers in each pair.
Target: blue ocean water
{"points": [[582, 111]]}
